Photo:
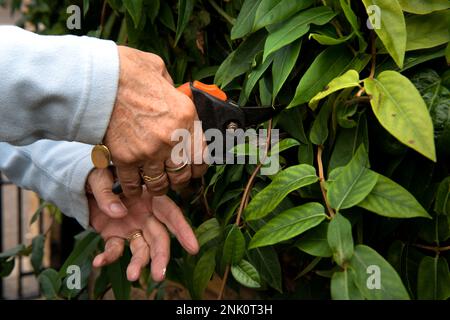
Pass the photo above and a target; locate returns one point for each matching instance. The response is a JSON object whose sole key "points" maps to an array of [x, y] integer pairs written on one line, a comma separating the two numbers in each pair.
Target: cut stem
{"points": [[330, 210]]}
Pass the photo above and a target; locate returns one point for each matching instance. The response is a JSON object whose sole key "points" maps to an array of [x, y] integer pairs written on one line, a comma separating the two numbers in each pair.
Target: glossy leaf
{"points": [[239, 62], [343, 286], [255, 75], [284, 182], [288, 224], [234, 246], [166, 16], [354, 182], [266, 262], [442, 203], [17, 250], [350, 79], [315, 242], [391, 200], [329, 41], [370, 270], [134, 8], [273, 11], [420, 28], [50, 283], [340, 239], [433, 279], [289, 31], [245, 19], [203, 272], [37, 252], [246, 274], [319, 130], [353, 20], [423, 7], [185, 8], [283, 62], [118, 277], [401, 110], [392, 28], [208, 230], [329, 64]]}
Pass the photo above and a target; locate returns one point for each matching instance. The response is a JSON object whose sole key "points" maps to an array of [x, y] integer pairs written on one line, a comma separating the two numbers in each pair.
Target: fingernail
{"points": [[164, 272], [118, 208]]}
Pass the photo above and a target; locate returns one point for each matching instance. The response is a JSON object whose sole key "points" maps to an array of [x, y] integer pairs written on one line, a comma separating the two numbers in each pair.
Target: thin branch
{"points": [[220, 11], [374, 56], [322, 181], [357, 100], [245, 199], [431, 248]]}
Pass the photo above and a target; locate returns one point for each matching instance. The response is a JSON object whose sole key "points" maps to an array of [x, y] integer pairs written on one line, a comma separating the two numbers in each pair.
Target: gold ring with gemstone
{"points": [[100, 156], [177, 169], [151, 179], [136, 234]]}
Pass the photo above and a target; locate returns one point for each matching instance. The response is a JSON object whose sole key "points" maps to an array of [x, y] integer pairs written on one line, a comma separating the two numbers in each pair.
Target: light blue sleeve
{"points": [[55, 87], [57, 171]]}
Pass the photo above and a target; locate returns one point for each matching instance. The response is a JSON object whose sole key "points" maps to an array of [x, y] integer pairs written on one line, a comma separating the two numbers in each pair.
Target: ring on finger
{"points": [[151, 179], [136, 234], [179, 168]]}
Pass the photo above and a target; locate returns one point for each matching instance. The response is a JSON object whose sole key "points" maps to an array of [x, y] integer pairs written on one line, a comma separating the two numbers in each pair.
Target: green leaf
{"points": [[375, 277], [153, 10], [50, 283], [101, 284], [423, 7], [319, 131], [283, 62], [274, 11], [37, 252], [118, 277], [203, 272], [208, 230], [392, 29], [447, 53], [329, 41], [234, 246], [84, 248], [288, 224], [267, 264], [135, 9], [246, 274], [391, 200], [401, 110], [350, 79], [255, 75], [353, 20], [284, 182], [442, 203], [419, 29], [166, 16], [284, 145], [328, 65], [343, 286], [315, 242], [185, 8], [85, 7], [287, 32], [240, 60], [6, 267], [245, 19], [433, 279], [340, 239], [17, 250], [354, 182], [436, 95]]}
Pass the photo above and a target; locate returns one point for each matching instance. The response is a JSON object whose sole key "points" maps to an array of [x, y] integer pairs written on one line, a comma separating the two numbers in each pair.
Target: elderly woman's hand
{"points": [[150, 216]]}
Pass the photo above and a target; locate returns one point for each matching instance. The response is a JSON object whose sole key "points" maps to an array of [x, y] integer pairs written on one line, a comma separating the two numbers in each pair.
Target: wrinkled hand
{"points": [[150, 215], [147, 111]]}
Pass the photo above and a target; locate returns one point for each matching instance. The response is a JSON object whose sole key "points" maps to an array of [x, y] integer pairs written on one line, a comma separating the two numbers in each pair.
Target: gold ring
{"points": [[136, 234], [177, 169], [151, 179], [101, 156]]}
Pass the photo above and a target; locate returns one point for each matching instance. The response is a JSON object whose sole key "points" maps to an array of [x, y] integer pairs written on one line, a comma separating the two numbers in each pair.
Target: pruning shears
{"points": [[216, 111]]}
